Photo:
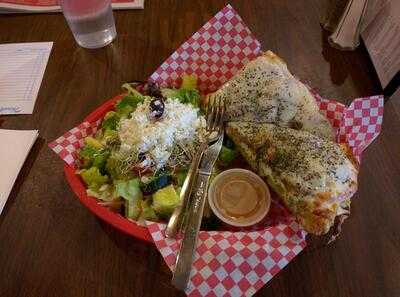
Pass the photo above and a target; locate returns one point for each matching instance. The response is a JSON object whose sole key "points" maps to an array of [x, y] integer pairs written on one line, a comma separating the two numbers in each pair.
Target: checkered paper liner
{"points": [[356, 125], [68, 145], [234, 263], [238, 263], [214, 53]]}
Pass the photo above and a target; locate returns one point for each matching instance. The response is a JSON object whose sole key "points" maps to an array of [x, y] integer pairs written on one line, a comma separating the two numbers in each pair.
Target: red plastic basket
{"points": [[75, 182]]}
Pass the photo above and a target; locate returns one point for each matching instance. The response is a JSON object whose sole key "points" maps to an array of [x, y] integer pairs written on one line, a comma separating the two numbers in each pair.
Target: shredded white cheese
{"points": [[180, 123]]}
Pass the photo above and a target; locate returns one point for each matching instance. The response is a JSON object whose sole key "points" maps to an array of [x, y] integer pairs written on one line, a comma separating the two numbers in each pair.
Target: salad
{"points": [[138, 160]]}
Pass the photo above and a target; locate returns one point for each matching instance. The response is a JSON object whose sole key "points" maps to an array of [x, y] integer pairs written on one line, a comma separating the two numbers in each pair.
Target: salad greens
{"points": [[93, 178], [165, 200], [148, 212], [180, 176], [112, 174], [110, 121], [228, 153], [226, 156], [133, 209], [130, 191], [187, 93]]}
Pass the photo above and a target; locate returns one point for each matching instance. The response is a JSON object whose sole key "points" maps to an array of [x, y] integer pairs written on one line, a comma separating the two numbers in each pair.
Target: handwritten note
{"points": [[22, 68]]}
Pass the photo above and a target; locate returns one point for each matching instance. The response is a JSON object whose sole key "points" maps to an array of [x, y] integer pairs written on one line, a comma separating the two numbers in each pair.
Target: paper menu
{"points": [[22, 68], [382, 40], [373, 8], [14, 148]]}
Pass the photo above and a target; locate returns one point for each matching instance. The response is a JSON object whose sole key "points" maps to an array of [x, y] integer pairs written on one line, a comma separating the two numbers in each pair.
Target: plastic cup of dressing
{"points": [[239, 197]]}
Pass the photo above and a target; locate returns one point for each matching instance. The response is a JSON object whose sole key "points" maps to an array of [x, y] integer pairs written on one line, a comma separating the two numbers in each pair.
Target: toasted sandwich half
{"points": [[264, 91], [313, 176]]}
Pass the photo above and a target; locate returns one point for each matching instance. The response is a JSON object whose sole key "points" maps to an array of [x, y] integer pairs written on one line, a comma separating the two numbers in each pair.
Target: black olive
{"points": [[157, 108], [141, 157]]}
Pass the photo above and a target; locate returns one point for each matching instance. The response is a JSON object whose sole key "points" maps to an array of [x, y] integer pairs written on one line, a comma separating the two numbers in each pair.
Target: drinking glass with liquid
{"points": [[91, 21]]}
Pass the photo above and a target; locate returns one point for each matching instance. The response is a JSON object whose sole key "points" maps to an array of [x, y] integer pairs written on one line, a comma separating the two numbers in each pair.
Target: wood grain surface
{"points": [[50, 245]]}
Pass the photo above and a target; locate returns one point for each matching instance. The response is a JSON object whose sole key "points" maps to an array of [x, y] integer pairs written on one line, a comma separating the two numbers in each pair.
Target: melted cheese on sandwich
{"points": [[264, 91], [308, 172]]}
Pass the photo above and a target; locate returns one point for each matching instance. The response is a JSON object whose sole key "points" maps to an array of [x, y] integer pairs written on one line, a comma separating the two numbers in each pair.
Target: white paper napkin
{"points": [[14, 148]]}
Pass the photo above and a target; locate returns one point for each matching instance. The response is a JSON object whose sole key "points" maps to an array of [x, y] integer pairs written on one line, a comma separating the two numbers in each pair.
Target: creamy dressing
{"points": [[239, 197]]}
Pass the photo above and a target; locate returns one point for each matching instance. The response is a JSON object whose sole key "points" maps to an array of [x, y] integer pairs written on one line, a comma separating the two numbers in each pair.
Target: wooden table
{"points": [[50, 245]]}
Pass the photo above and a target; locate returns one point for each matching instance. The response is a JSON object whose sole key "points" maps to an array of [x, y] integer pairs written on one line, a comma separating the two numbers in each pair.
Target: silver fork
{"points": [[214, 118], [194, 215]]}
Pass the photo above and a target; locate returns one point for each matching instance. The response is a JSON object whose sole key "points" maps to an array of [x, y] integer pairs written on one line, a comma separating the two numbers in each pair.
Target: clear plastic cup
{"points": [[91, 21]]}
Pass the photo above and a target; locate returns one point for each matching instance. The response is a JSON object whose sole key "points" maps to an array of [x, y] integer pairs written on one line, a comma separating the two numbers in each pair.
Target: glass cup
{"points": [[91, 21]]}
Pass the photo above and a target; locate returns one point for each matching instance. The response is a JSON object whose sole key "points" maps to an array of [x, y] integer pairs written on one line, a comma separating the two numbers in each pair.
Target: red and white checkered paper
{"points": [[214, 53], [66, 146], [234, 263], [238, 263], [356, 125]]}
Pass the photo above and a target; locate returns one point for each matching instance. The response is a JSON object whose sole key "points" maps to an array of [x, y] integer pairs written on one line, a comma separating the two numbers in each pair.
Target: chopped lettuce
{"points": [[180, 177], [128, 104], [148, 212], [113, 168], [133, 209], [183, 95], [94, 143], [110, 137], [110, 121], [132, 91], [86, 155], [93, 178], [100, 159], [226, 156], [105, 192], [165, 200], [187, 93], [130, 191], [93, 154]]}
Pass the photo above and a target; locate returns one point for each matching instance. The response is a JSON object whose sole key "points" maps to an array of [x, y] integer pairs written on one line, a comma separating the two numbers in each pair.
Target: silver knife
{"points": [[184, 259], [175, 223]]}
